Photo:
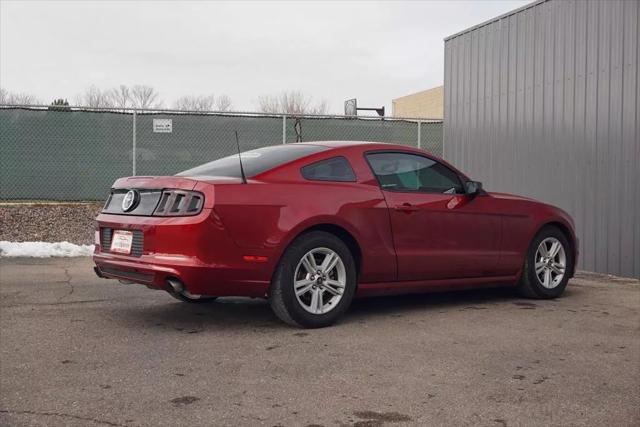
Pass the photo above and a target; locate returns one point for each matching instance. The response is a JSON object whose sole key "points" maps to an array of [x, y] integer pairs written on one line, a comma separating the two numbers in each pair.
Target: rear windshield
{"points": [[254, 162]]}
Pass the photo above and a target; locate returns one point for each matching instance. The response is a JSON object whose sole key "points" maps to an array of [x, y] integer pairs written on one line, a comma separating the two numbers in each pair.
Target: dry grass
{"points": [[48, 221]]}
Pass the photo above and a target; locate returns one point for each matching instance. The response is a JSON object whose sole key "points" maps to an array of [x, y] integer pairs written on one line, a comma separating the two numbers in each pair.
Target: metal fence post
{"points": [[442, 140], [134, 142], [419, 135], [284, 129]]}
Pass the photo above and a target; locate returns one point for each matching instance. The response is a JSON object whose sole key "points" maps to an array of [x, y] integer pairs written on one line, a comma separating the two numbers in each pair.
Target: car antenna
{"points": [[244, 178]]}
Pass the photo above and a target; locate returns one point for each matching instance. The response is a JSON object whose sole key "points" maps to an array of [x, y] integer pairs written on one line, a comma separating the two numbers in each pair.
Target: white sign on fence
{"points": [[162, 125]]}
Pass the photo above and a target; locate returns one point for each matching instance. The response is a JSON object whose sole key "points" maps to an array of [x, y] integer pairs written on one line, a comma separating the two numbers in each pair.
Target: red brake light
{"points": [[179, 203]]}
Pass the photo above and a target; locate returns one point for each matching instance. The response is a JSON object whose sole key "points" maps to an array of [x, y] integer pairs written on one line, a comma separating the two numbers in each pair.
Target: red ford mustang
{"points": [[312, 225]]}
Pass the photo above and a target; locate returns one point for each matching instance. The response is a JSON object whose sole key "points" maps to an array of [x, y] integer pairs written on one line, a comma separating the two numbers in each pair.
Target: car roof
{"points": [[337, 144], [372, 145]]}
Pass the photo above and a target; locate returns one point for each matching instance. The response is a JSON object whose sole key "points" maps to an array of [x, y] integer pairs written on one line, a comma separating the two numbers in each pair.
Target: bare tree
{"points": [[185, 102], [195, 103], [22, 98], [320, 108], [94, 97], [144, 96], [11, 98], [269, 104], [203, 103], [293, 102], [223, 103], [121, 96]]}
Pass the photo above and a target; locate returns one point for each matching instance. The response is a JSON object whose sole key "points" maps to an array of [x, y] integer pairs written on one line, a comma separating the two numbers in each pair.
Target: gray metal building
{"points": [[543, 101]]}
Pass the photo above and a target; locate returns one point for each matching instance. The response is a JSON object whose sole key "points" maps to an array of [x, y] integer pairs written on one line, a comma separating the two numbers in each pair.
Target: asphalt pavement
{"points": [[76, 350]]}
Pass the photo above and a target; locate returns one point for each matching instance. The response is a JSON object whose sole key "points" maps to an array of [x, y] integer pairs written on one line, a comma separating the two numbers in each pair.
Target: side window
{"points": [[334, 169], [411, 172]]}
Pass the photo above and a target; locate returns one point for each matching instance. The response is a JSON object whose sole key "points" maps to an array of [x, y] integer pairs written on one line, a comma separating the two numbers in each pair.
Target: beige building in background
{"points": [[427, 104]]}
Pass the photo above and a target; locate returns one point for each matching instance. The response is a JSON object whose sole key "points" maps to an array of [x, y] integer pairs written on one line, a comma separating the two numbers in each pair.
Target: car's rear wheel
{"points": [[547, 266], [315, 281]]}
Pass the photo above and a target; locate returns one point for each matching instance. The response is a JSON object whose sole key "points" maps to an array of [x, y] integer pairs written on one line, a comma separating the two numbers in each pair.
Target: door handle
{"points": [[406, 207]]}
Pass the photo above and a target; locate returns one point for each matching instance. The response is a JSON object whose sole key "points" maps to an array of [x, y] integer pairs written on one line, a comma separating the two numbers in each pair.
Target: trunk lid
{"points": [[154, 183], [148, 191]]}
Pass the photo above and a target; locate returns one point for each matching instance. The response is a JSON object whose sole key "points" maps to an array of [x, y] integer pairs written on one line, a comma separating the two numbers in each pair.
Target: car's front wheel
{"points": [[315, 281], [547, 266]]}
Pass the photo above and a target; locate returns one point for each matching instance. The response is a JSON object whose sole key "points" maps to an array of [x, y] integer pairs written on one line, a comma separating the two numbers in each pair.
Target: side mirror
{"points": [[473, 188]]}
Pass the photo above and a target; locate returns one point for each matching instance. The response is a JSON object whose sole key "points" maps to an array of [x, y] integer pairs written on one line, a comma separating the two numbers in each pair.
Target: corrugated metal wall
{"points": [[544, 102]]}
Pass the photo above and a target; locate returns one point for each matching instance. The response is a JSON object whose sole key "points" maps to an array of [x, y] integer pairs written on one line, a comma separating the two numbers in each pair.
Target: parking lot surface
{"points": [[76, 350]]}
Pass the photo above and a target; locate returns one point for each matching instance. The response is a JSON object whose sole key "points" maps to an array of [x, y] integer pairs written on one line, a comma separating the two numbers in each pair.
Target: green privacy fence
{"points": [[76, 154]]}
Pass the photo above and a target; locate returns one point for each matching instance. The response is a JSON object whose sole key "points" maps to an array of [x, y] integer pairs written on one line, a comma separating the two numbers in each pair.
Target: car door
{"points": [[439, 232]]}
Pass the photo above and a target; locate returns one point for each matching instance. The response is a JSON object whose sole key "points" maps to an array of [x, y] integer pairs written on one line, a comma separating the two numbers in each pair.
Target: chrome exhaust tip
{"points": [[176, 285]]}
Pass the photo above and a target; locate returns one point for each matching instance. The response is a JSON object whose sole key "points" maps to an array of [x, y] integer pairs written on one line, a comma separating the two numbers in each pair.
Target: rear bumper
{"points": [[155, 271], [195, 250]]}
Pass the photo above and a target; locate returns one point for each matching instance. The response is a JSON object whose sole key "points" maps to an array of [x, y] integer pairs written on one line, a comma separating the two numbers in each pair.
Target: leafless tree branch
{"points": [[121, 96], [223, 103], [144, 96], [11, 98], [203, 103], [94, 97], [292, 102], [195, 103]]}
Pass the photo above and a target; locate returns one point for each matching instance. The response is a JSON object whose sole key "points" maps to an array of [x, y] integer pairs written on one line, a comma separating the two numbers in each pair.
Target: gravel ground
{"points": [[79, 351], [48, 222]]}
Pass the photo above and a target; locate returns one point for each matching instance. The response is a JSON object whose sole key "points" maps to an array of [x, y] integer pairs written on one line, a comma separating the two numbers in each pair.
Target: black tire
{"points": [[282, 298], [184, 298], [530, 285]]}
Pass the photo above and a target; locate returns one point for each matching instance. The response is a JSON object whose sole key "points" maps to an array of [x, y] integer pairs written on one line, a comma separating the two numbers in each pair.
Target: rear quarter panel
{"points": [[263, 219]]}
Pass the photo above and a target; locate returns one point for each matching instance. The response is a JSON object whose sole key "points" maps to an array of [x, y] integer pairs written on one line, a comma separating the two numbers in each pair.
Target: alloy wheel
{"points": [[551, 262], [320, 280]]}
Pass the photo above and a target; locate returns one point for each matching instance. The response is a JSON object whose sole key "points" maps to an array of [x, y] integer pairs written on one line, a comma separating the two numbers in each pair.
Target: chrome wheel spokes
{"points": [[550, 262], [320, 279]]}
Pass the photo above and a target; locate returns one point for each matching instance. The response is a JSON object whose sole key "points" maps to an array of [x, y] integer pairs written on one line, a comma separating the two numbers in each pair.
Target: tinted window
{"points": [[409, 172], [334, 169], [254, 162]]}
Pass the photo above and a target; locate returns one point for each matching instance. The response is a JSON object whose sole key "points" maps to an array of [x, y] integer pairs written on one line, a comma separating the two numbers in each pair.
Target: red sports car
{"points": [[309, 226]]}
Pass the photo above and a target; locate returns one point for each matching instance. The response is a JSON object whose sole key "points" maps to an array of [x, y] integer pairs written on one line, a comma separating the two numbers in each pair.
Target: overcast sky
{"points": [[333, 50]]}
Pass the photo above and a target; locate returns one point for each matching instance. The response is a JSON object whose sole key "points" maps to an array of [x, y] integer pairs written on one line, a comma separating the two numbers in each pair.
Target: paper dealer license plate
{"points": [[121, 242]]}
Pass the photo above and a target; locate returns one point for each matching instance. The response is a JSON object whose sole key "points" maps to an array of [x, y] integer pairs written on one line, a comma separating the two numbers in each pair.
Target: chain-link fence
{"points": [[47, 153]]}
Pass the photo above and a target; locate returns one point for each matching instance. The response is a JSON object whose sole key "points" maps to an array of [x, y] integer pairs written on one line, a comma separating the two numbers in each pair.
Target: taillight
{"points": [[179, 203]]}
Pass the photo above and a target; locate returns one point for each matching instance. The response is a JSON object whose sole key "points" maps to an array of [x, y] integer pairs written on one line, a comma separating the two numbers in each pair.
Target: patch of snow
{"points": [[43, 249]]}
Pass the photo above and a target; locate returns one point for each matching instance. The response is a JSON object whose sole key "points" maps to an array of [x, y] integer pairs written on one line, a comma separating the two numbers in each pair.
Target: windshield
{"points": [[254, 162]]}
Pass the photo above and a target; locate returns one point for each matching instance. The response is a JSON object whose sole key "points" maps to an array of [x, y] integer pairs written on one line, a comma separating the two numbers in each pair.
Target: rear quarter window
{"points": [[333, 169]]}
